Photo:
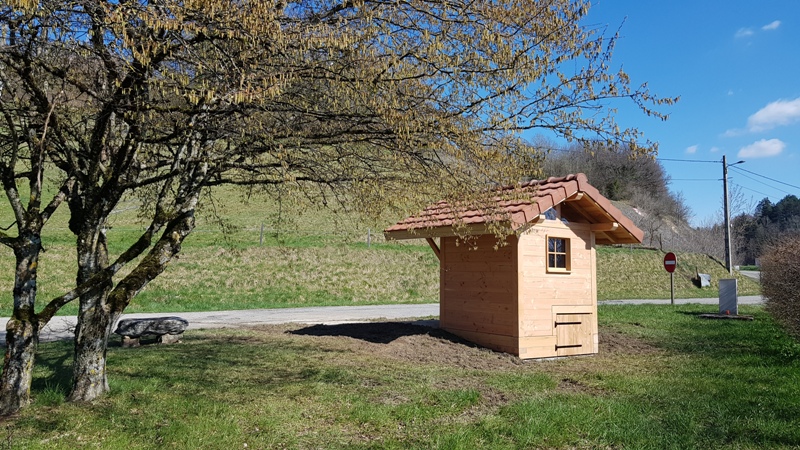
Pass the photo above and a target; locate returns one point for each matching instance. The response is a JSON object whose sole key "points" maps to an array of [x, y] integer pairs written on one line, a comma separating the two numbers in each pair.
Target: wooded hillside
{"points": [[756, 231]]}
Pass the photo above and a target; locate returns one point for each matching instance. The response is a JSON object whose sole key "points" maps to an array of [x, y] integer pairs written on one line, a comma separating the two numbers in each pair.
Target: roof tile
{"points": [[543, 195]]}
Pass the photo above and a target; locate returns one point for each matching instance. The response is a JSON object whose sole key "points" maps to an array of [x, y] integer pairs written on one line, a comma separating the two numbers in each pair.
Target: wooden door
{"points": [[573, 334]]}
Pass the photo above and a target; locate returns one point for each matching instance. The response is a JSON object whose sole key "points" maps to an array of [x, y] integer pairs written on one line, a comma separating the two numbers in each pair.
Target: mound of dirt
{"points": [[614, 342], [425, 344], [411, 343]]}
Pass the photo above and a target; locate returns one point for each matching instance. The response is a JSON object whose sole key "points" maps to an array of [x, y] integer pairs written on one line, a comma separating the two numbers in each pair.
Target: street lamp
{"points": [[726, 200]]}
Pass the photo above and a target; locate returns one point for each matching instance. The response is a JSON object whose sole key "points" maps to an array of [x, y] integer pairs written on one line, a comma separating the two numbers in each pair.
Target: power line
{"points": [[734, 167], [688, 160], [768, 178], [753, 190], [765, 184]]}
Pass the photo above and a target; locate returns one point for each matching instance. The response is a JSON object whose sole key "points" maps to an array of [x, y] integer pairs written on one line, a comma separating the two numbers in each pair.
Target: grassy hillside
{"points": [[314, 257], [630, 272]]}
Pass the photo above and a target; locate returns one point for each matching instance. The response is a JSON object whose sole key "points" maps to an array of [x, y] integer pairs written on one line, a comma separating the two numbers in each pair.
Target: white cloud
{"points": [[691, 149], [772, 25], [762, 149], [777, 113], [743, 32], [714, 149], [733, 132]]}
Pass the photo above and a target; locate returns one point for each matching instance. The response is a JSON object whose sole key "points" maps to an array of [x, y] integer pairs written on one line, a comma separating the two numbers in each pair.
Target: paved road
{"points": [[743, 300], [754, 274], [62, 327]]}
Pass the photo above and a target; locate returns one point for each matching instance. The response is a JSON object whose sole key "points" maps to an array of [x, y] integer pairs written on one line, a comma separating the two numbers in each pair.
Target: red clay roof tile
{"points": [[544, 194]]}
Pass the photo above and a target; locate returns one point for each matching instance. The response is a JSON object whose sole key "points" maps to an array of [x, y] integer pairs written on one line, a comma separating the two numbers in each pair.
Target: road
{"points": [[62, 327], [754, 274]]}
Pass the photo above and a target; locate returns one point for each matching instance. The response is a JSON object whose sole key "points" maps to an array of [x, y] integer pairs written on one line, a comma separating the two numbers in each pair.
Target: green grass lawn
{"points": [[663, 379]]}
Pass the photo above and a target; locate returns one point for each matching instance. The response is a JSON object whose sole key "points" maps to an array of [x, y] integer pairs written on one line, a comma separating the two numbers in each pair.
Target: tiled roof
{"points": [[582, 203]]}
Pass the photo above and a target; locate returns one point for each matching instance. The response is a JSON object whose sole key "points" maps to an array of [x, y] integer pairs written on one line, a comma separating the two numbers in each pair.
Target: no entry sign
{"points": [[670, 261]]}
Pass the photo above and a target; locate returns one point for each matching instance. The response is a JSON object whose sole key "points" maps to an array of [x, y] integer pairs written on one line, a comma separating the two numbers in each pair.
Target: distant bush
{"points": [[780, 282]]}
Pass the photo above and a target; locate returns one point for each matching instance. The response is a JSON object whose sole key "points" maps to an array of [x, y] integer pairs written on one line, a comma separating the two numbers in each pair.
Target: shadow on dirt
{"points": [[380, 332]]}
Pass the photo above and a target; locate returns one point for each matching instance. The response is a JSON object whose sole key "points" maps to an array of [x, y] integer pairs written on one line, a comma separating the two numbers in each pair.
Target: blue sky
{"points": [[736, 66]]}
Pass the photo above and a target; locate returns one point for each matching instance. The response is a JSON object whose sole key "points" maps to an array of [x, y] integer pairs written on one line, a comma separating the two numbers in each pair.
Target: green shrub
{"points": [[780, 282]]}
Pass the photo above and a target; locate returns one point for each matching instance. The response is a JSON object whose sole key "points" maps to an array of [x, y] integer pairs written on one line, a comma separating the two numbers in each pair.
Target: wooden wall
{"points": [[478, 291], [557, 311], [506, 300]]}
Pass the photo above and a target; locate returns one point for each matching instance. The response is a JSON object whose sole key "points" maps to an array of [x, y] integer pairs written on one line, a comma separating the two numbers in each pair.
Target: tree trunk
{"points": [[95, 320], [22, 338], [91, 343], [22, 330]]}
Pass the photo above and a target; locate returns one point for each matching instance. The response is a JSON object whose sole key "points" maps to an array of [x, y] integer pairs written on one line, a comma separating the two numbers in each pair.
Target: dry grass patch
{"points": [[637, 273], [264, 277], [207, 278]]}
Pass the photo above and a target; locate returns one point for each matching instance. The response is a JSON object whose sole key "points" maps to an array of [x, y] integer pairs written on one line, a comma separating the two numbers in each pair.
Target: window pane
{"points": [[551, 244], [551, 261], [561, 261], [560, 246]]}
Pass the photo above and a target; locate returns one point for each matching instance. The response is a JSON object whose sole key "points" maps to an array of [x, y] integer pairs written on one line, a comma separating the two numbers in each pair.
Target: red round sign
{"points": [[670, 261]]}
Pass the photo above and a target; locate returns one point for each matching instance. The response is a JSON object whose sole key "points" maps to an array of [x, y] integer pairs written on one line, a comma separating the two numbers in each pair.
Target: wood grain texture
{"points": [[478, 286], [502, 296], [502, 343]]}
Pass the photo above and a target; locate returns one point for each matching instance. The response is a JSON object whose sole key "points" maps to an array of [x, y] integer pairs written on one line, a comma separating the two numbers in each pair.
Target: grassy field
{"points": [[627, 273], [313, 258], [318, 271], [664, 379]]}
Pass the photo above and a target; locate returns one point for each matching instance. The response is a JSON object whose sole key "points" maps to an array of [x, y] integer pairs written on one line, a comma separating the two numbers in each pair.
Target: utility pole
{"points": [[727, 208]]}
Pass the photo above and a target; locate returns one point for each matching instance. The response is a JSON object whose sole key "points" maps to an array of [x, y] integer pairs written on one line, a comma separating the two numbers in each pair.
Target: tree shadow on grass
{"points": [[379, 332], [56, 361]]}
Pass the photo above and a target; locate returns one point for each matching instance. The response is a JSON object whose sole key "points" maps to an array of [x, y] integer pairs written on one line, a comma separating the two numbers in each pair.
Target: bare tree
{"points": [[372, 102], [620, 173]]}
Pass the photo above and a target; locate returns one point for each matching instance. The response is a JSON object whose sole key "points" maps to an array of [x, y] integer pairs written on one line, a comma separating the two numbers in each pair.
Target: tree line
{"points": [[770, 222]]}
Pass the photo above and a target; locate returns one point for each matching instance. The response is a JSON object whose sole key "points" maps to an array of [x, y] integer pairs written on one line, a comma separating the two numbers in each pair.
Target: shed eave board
{"points": [[446, 231]]}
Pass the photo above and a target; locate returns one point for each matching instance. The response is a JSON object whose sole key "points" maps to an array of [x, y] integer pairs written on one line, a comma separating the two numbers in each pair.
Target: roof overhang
{"points": [[580, 203]]}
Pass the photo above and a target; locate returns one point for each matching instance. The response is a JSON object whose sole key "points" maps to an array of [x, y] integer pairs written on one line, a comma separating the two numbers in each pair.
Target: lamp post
{"points": [[727, 208]]}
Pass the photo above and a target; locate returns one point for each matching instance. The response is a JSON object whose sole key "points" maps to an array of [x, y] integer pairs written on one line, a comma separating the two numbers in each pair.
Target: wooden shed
{"points": [[535, 297]]}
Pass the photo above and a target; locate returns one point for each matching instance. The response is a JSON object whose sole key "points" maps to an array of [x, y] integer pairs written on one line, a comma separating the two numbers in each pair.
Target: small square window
{"points": [[558, 258]]}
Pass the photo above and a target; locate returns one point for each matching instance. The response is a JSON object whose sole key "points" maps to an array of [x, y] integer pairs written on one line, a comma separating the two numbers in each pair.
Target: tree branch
{"points": [[101, 277], [59, 198]]}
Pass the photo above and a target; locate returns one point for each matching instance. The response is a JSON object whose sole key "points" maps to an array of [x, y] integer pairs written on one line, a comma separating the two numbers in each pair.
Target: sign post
{"points": [[670, 262]]}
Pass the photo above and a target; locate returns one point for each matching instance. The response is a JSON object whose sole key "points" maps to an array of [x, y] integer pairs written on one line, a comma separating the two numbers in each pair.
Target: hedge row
{"points": [[780, 282]]}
